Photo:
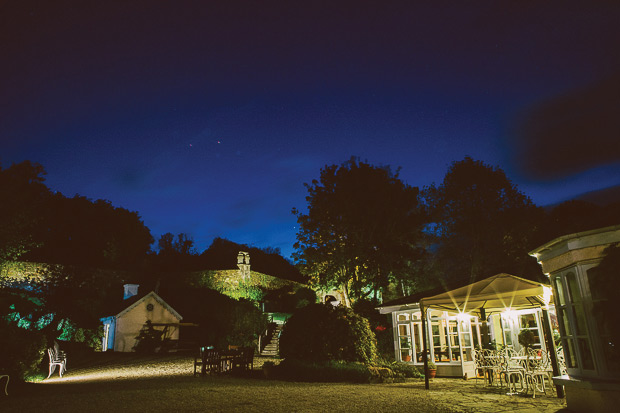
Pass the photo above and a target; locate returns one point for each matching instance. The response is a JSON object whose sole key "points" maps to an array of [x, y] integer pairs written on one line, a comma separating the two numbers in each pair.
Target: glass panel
{"points": [[564, 324], [403, 330], [405, 355], [466, 339], [403, 317], [569, 353], [440, 341], [586, 354], [527, 320], [573, 288], [560, 290], [436, 314], [405, 342], [580, 319], [417, 337]]}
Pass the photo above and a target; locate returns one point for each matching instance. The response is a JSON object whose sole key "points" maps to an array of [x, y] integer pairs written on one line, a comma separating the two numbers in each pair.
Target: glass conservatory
{"points": [[453, 337], [489, 313]]}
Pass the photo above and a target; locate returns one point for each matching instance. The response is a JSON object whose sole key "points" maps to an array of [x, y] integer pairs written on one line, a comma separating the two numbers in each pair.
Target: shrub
{"points": [[321, 333], [22, 350], [400, 369], [327, 372]]}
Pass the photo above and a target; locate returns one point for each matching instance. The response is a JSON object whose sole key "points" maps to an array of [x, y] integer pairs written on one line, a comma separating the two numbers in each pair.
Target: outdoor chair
{"points": [[211, 361], [492, 366], [480, 366], [245, 359], [199, 358], [537, 371], [513, 371], [57, 358]]}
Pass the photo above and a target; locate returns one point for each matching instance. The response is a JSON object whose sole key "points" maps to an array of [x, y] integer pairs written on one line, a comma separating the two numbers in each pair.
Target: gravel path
{"points": [[132, 383]]}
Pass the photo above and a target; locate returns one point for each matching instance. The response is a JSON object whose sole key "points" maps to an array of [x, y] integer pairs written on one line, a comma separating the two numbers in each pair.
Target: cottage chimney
{"points": [[129, 290], [243, 262]]}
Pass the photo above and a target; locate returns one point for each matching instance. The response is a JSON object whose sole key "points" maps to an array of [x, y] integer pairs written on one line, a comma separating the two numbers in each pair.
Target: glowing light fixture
{"points": [[461, 316], [509, 314]]}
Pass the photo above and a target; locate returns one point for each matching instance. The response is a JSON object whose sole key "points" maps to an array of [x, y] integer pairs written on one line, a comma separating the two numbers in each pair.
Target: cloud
{"points": [[571, 133]]}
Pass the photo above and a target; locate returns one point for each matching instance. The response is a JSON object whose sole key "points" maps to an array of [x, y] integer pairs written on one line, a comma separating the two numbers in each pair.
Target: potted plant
{"points": [[432, 370], [268, 369], [527, 338]]}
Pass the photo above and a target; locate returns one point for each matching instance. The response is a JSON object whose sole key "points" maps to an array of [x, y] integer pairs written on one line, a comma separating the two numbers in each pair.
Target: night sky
{"points": [[207, 117]]}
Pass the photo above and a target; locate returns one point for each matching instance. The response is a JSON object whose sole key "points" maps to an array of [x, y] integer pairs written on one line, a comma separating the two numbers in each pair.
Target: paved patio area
{"points": [[466, 396]]}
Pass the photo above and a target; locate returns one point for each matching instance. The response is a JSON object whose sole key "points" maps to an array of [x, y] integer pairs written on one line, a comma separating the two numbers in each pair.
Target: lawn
{"points": [[130, 383]]}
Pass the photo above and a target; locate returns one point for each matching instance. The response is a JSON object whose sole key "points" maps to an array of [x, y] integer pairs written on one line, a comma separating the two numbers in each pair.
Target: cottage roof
{"points": [[126, 305]]}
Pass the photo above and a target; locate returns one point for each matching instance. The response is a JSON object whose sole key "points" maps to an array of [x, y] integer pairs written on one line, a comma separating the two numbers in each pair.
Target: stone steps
{"points": [[272, 348]]}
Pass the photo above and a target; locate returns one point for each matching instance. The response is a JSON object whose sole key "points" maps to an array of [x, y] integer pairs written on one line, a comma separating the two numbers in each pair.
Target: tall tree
{"points": [[483, 224], [78, 231], [361, 229], [23, 201]]}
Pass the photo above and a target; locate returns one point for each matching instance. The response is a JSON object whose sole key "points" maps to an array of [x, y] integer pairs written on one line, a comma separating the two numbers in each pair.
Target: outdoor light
{"points": [[509, 314], [462, 317], [547, 294]]}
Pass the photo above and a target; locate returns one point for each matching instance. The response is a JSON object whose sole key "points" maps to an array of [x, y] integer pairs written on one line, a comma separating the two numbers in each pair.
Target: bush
{"points": [[403, 370], [321, 333], [380, 324], [326, 372], [22, 350]]}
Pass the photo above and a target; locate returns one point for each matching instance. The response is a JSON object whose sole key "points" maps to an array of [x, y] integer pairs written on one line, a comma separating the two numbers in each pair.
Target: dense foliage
{"points": [[36, 225], [482, 223], [222, 320], [361, 231], [23, 197], [322, 332], [22, 349]]}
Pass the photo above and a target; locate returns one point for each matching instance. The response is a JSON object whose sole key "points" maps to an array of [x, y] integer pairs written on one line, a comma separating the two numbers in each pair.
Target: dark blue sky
{"points": [[207, 118]]}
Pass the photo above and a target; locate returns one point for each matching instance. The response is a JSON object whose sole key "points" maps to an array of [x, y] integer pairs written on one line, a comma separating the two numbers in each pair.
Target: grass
{"points": [[132, 383]]}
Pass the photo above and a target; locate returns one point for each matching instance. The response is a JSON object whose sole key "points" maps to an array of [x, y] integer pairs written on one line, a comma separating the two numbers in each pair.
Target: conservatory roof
{"points": [[500, 292]]}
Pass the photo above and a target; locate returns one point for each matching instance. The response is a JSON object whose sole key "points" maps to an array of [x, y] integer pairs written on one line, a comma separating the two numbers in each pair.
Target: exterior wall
{"points": [[590, 384], [128, 325]]}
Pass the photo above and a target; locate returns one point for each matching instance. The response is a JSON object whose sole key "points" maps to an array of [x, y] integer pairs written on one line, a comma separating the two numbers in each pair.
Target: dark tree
{"points": [[78, 231], [361, 230], [576, 216], [482, 223], [23, 201]]}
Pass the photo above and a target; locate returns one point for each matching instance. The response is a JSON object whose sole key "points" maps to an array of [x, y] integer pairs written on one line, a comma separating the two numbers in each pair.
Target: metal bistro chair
{"points": [[493, 366], [480, 366], [537, 371], [513, 371]]}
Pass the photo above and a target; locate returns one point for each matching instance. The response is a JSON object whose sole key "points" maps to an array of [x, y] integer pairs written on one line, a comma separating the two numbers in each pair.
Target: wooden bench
{"points": [[57, 358]]}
